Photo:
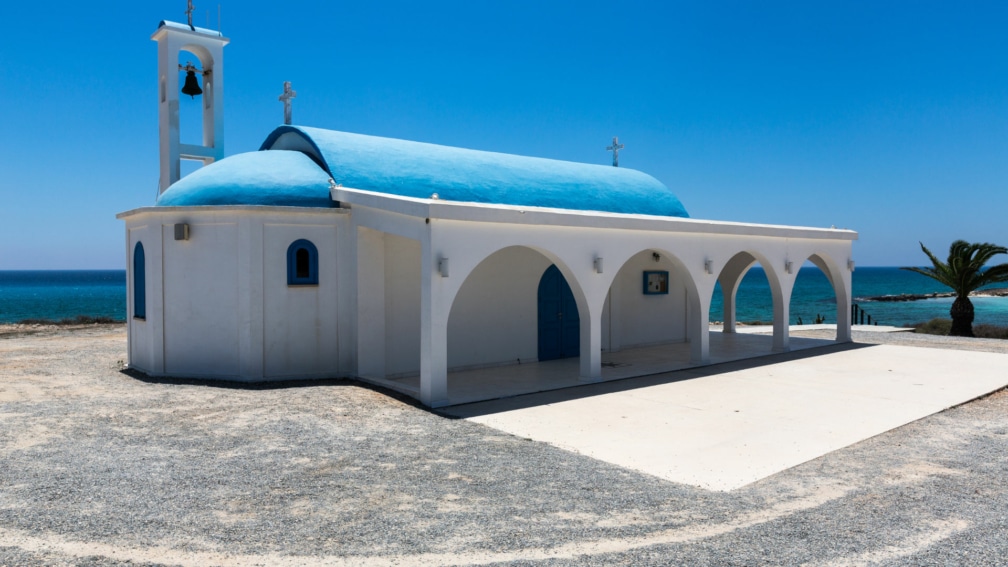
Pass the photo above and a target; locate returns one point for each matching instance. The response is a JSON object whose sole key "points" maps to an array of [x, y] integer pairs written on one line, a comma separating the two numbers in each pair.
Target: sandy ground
{"points": [[100, 467]]}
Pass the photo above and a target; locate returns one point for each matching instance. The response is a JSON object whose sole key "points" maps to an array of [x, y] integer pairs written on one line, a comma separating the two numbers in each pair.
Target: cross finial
{"points": [[285, 98], [615, 148], [188, 13]]}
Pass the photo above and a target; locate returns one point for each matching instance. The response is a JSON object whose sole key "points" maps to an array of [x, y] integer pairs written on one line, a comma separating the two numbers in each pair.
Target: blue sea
{"points": [[102, 293], [59, 294]]}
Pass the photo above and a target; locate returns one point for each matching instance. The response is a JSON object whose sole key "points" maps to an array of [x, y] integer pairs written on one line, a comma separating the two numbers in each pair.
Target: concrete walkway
{"points": [[725, 426]]}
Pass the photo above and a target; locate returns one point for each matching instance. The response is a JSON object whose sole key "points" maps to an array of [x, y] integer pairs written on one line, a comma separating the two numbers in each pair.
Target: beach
{"points": [[99, 466]]}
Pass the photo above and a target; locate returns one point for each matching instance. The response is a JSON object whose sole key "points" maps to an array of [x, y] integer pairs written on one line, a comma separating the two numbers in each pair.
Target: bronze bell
{"points": [[191, 86]]}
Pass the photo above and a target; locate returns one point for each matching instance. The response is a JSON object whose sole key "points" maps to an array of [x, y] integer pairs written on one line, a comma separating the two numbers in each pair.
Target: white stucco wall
{"points": [[201, 315], [636, 319], [230, 313], [494, 319], [300, 334], [142, 333], [402, 305]]}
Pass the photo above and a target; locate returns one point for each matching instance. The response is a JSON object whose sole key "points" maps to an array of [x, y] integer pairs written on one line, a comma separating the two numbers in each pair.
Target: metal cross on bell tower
{"points": [[188, 13], [615, 148], [285, 98]]}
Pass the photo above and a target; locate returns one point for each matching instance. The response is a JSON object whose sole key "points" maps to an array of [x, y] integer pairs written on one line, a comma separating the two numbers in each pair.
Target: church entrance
{"points": [[559, 324]]}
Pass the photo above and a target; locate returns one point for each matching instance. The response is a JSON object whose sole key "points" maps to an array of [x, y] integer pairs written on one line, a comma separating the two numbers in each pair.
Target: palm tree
{"points": [[964, 272]]}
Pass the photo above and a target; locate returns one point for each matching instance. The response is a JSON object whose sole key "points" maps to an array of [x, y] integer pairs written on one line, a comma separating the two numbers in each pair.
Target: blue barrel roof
{"points": [[416, 169], [255, 178], [294, 165]]}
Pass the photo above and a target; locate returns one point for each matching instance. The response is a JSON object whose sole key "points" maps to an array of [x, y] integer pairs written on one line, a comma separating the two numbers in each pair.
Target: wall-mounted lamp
{"points": [[442, 267], [850, 265], [181, 231], [708, 267], [787, 266], [598, 265], [655, 256]]}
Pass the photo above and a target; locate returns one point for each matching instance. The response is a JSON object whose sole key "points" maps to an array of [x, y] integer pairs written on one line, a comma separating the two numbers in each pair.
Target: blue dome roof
{"points": [[415, 169], [256, 178]]}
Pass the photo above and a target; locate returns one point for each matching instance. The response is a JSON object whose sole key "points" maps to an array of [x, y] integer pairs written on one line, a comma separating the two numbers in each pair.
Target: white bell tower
{"points": [[208, 47]]}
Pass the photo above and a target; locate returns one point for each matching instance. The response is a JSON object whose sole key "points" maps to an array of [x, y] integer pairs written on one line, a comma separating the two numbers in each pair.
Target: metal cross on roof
{"points": [[188, 13], [286, 97], [615, 148]]}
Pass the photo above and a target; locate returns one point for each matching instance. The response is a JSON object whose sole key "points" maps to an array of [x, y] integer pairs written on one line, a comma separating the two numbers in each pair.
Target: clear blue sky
{"points": [[890, 118]]}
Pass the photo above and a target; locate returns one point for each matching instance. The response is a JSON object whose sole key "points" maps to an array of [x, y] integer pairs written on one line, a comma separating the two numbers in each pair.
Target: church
{"points": [[421, 267]]}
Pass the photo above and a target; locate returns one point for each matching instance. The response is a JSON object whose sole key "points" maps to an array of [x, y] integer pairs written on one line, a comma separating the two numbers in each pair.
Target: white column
{"points": [[728, 301], [698, 325], [843, 295], [434, 310], [782, 314], [591, 346]]}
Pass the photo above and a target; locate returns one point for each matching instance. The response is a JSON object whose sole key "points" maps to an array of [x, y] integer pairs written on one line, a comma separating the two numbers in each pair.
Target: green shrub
{"points": [[78, 320], [933, 327], [985, 331], [942, 327]]}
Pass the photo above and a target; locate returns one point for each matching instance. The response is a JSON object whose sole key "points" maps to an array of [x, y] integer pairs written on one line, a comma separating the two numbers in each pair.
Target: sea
{"points": [[57, 294]]}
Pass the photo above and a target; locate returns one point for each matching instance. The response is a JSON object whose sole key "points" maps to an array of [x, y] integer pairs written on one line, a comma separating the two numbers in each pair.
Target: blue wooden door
{"points": [[559, 324]]}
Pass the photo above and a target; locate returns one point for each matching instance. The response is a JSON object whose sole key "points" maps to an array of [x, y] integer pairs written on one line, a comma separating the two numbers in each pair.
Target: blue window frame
{"points": [[139, 283], [302, 263]]}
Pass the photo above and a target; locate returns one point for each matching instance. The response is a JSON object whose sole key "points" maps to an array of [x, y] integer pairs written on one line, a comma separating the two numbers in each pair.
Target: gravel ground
{"points": [[100, 467]]}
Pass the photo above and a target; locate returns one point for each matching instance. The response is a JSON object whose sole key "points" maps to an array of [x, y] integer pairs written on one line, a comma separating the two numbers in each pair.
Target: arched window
{"points": [[139, 283], [302, 263]]}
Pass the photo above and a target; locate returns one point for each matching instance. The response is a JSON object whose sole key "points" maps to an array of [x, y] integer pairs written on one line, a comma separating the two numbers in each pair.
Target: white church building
{"points": [[328, 254]]}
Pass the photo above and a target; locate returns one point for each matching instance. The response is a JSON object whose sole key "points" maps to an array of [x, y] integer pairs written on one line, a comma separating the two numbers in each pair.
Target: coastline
{"points": [[993, 292]]}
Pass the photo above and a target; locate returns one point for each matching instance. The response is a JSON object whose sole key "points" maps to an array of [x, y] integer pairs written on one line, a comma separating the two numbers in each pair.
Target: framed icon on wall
{"points": [[656, 282]]}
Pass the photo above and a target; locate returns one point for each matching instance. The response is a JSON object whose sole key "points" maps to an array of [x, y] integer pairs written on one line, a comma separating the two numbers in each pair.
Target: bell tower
{"points": [[208, 48]]}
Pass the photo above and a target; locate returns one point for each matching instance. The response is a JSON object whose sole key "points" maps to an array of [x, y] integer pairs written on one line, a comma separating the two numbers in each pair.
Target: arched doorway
{"points": [[559, 323]]}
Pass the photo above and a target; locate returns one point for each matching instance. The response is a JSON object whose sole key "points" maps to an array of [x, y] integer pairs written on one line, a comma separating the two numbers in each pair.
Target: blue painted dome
{"points": [[278, 178], [416, 169]]}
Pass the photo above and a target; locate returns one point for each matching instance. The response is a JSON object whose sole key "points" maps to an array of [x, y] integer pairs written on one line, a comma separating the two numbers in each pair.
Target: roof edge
{"points": [[316, 154]]}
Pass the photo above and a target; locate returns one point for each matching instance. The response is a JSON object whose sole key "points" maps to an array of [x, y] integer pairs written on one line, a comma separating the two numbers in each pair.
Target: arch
{"points": [[841, 291], [139, 282], [730, 277], [203, 54], [634, 318], [302, 263], [492, 319]]}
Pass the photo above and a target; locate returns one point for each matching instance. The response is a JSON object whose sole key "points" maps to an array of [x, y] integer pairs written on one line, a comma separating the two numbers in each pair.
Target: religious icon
{"points": [[655, 282]]}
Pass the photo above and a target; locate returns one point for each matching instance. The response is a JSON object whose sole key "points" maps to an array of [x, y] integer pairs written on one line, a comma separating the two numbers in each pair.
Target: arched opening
{"points": [[191, 108], [650, 318], [820, 289], [813, 299], [647, 303], [745, 302], [139, 282], [494, 328], [742, 295], [302, 263]]}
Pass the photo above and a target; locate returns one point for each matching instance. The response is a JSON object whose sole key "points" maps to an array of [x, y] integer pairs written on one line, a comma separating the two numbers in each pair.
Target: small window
{"points": [[302, 263], [139, 283]]}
